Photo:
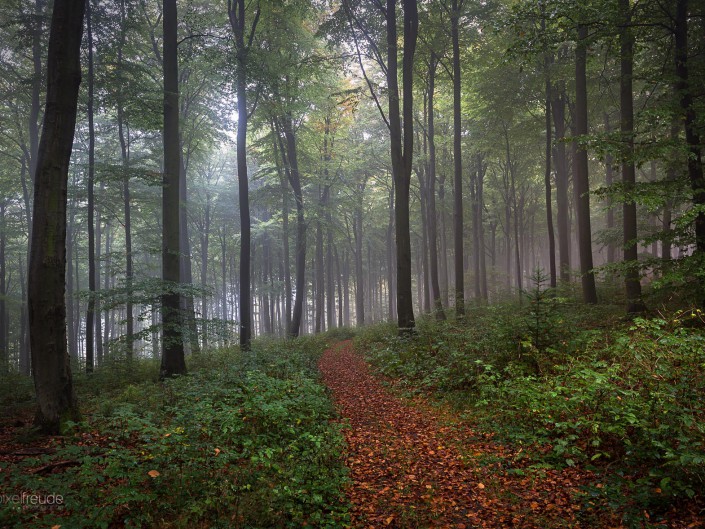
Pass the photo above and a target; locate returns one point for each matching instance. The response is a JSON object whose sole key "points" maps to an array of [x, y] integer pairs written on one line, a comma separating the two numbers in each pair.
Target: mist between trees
{"points": [[282, 168]]}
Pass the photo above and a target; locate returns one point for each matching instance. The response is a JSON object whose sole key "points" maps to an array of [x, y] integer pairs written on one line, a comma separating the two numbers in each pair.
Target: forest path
{"points": [[413, 466]]}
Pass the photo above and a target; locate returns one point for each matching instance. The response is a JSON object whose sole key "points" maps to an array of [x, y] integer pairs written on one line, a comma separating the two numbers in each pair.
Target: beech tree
{"points": [[172, 344], [47, 266]]}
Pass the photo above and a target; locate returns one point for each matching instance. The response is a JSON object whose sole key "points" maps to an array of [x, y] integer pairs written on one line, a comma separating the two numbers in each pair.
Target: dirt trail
{"points": [[410, 470]]}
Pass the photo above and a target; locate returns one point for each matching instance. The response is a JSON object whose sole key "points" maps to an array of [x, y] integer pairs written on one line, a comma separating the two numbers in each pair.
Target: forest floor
{"points": [[414, 465]]}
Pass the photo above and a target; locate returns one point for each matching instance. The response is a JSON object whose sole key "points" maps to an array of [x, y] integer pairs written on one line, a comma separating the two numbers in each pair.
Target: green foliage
{"points": [[624, 399], [245, 440]]}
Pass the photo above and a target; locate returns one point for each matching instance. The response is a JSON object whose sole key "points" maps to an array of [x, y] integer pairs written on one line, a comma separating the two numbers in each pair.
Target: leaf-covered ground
{"points": [[415, 466]]}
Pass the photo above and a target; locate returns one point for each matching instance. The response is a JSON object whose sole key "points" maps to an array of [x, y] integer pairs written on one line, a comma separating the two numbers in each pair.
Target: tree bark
{"points": [[432, 216], [635, 303], [547, 175], [236, 13], [692, 138], [295, 182], [172, 343], [125, 156], [402, 150], [558, 105], [47, 267], [582, 182], [359, 278], [458, 167], [90, 312]]}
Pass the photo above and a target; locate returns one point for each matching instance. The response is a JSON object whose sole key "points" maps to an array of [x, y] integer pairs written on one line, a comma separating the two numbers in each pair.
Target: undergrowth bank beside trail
{"points": [[244, 441], [574, 387]]}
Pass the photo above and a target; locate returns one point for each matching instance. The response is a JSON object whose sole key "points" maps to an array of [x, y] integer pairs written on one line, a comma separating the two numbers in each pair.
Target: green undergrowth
{"points": [[580, 385], [244, 441]]}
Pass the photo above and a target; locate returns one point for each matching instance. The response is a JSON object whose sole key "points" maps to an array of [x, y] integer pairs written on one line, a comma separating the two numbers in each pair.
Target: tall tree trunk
{"points": [[172, 344], [390, 257], [295, 182], [330, 281], [631, 277], [90, 312], [402, 150], [424, 292], [481, 170], [458, 167], [70, 315], [359, 277], [547, 175], [346, 289], [319, 275], [237, 15], [582, 182], [432, 215], [558, 105], [609, 180], [47, 267], [106, 286], [443, 268], [692, 138], [125, 156], [205, 242], [280, 155], [339, 276], [190, 329], [671, 176]]}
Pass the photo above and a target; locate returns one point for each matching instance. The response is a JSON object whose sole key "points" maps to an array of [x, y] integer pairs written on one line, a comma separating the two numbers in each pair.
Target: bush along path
{"points": [[414, 466]]}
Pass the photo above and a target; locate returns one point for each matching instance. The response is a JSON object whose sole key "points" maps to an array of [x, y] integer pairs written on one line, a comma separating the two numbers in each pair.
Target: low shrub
{"points": [[244, 440]]}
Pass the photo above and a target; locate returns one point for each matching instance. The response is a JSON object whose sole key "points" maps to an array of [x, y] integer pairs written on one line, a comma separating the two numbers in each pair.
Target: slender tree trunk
{"points": [[190, 330], [671, 176], [692, 138], [172, 343], [295, 182], [547, 177], [582, 182], [458, 167], [339, 275], [402, 150], [481, 170], [70, 316], [106, 286], [90, 312], [432, 215], [424, 292], [346, 289], [319, 276], [443, 264], [359, 277], [631, 278], [47, 267], [558, 105], [390, 258], [125, 156], [205, 242], [236, 12], [609, 180]]}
